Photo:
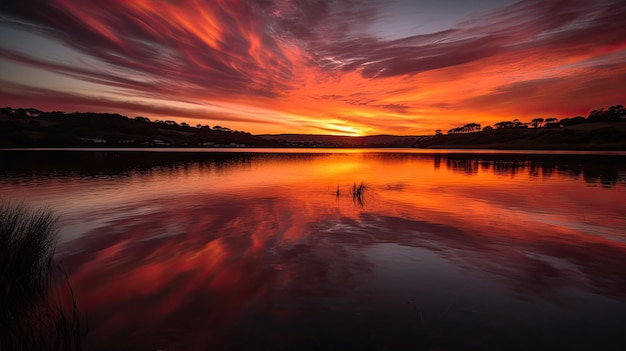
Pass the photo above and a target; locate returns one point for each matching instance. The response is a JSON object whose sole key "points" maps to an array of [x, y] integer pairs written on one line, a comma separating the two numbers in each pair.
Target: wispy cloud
{"points": [[53, 100], [310, 58]]}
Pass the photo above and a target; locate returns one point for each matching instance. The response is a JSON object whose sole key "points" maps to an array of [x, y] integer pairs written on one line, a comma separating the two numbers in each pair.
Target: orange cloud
{"points": [[313, 67]]}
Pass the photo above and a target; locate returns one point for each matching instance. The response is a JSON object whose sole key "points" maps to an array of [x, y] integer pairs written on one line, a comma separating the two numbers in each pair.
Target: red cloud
{"points": [[282, 56]]}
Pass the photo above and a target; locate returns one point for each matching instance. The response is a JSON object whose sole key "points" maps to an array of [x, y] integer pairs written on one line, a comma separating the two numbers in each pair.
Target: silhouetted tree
{"points": [[438, 132], [552, 122], [472, 127], [504, 125], [468, 128], [617, 110], [20, 112], [537, 122], [614, 113], [573, 121]]}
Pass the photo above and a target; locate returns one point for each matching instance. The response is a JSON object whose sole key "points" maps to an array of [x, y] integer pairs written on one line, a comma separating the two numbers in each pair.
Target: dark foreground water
{"points": [[262, 250]]}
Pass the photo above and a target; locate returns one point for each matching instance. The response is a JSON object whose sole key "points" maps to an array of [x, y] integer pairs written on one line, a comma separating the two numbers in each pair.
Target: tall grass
{"points": [[35, 313]]}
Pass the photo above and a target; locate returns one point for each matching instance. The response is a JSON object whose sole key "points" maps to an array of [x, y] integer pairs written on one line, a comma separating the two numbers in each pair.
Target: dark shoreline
{"points": [[485, 147], [91, 130]]}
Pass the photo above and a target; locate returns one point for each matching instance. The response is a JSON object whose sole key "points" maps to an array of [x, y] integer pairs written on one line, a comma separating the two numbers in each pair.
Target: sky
{"points": [[345, 67]]}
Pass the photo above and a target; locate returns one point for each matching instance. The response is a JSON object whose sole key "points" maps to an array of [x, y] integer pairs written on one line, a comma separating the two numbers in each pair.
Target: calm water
{"points": [[261, 250]]}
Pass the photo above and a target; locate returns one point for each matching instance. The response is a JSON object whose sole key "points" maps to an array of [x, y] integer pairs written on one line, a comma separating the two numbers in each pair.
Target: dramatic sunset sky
{"points": [[351, 67]]}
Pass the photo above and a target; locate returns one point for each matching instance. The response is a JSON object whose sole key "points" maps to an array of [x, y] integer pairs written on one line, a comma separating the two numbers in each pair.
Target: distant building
{"points": [[33, 113], [159, 142]]}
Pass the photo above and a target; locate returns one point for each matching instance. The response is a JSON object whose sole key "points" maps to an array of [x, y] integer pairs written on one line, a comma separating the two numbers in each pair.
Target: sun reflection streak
{"points": [[211, 239]]}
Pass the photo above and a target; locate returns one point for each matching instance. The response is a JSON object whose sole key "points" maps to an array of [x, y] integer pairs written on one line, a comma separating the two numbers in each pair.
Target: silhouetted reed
{"points": [[34, 313], [358, 192]]}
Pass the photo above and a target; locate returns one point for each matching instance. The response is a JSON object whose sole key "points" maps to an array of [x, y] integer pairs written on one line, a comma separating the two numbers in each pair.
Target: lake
{"points": [[337, 249]]}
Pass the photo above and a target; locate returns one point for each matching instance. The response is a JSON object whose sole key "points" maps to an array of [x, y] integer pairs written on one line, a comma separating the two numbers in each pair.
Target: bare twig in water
{"points": [[357, 193]]}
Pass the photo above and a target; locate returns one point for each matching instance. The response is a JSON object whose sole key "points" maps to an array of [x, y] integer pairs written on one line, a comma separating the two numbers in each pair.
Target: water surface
{"points": [[267, 249]]}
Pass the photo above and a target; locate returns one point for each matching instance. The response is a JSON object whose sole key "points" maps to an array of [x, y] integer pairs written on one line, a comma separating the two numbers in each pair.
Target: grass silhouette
{"points": [[34, 314]]}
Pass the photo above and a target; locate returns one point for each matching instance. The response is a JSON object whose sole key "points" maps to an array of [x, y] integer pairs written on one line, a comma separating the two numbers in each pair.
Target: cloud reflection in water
{"points": [[201, 250]]}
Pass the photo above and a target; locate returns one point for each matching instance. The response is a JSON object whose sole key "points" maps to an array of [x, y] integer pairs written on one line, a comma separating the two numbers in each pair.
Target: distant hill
{"points": [[34, 128], [602, 135], [320, 140]]}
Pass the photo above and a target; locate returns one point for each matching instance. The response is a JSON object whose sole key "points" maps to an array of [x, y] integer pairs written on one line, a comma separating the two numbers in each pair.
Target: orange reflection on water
{"points": [[204, 249]]}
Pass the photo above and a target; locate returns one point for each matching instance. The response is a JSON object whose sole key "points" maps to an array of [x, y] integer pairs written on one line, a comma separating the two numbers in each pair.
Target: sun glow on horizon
{"points": [[290, 67]]}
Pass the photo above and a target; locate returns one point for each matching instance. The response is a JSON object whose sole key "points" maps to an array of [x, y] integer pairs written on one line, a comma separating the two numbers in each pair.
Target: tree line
{"points": [[32, 112], [613, 113], [29, 127]]}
